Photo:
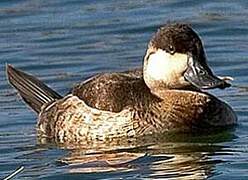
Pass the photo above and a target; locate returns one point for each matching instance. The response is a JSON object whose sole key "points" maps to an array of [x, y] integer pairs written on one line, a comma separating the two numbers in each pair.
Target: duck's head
{"points": [[175, 59]]}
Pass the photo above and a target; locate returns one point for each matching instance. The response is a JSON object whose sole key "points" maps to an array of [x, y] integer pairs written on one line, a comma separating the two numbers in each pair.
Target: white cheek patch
{"points": [[166, 67]]}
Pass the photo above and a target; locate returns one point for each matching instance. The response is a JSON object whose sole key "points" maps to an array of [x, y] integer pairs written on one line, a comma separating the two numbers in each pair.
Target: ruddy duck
{"points": [[166, 95]]}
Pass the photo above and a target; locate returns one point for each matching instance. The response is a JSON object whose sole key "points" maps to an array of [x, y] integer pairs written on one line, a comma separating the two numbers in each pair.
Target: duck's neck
{"points": [[158, 87]]}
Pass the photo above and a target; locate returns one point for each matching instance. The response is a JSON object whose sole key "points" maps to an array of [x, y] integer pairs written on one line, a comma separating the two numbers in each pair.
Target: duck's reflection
{"points": [[184, 157]]}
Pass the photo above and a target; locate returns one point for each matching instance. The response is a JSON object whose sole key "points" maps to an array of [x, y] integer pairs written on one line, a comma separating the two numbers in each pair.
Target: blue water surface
{"points": [[65, 41]]}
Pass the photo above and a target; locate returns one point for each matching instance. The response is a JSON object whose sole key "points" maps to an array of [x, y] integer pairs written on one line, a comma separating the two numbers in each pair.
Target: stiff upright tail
{"points": [[34, 92]]}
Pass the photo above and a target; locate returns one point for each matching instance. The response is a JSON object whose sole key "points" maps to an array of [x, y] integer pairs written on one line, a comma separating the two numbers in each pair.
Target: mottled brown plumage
{"points": [[71, 120], [164, 96], [114, 91]]}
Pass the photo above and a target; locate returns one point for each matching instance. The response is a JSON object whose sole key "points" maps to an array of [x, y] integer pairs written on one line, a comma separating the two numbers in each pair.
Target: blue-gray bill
{"points": [[201, 76]]}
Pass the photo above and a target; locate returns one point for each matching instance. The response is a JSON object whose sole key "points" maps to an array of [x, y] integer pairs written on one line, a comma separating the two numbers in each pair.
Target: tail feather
{"points": [[34, 92]]}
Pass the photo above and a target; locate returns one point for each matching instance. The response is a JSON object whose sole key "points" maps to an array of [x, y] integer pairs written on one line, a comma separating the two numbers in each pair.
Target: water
{"points": [[63, 42]]}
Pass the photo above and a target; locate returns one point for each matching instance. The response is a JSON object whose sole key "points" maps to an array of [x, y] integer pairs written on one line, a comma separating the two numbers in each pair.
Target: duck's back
{"points": [[114, 91]]}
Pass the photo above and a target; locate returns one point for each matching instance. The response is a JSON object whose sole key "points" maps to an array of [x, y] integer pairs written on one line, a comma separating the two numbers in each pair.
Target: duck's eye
{"points": [[171, 49]]}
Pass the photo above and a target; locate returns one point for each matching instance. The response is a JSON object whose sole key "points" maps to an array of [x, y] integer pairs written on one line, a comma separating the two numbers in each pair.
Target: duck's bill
{"points": [[200, 76]]}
